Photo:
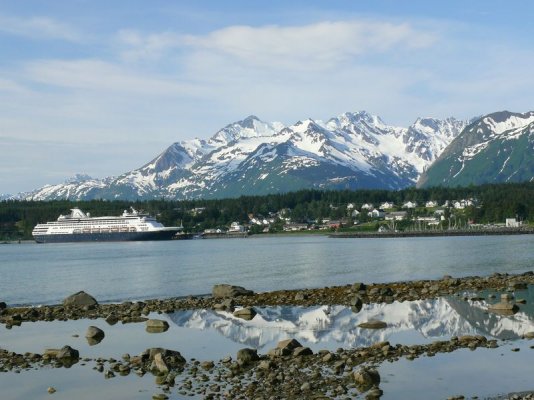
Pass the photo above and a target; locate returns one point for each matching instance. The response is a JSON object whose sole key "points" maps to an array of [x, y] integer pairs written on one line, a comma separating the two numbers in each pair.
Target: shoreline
{"points": [[287, 371], [434, 233], [370, 293]]}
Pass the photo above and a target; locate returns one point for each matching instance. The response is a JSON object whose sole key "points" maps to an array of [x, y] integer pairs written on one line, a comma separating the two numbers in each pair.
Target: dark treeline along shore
{"points": [[495, 202]]}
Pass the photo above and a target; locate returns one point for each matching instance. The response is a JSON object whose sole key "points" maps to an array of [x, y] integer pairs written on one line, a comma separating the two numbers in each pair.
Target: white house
{"points": [[459, 205], [512, 223], [409, 204], [377, 213], [235, 227], [431, 204], [295, 227], [350, 206], [367, 206], [386, 205], [355, 213]]}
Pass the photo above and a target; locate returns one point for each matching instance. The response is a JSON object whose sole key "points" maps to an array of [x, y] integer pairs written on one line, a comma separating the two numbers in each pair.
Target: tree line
{"points": [[495, 203]]}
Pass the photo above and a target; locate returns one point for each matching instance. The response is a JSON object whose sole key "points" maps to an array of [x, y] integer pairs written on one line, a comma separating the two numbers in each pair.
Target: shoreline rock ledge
{"points": [[80, 299], [224, 290]]}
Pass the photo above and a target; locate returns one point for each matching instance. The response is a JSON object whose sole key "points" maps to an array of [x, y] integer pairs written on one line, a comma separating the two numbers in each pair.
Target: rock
{"points": [[504, 308], [80, 299], [300, 296], [302, 351], [51, 390], [529, 335], [3, 305], [225, 290], [160, 396], [373, 324], [50, 353], [156, 326], [328, 357], [305, 386], [67, 352], [289, 344], [386, 291], [246, 313], [284, 348], [152, 352], [374, 393], [356, 304], [246, 356], [207, 365], [265, 365], [95, 333], [517, 285], [366, 377], [357, 286], [112, 319], [229, 305], [159, 364]]}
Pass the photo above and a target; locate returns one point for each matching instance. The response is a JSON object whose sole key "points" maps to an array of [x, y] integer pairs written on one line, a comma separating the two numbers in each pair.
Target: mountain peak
{"points": [[78, 178], [504, 121], [249, 127]]}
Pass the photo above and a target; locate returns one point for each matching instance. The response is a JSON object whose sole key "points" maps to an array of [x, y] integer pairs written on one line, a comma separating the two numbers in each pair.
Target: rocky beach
{"points": [[287, 370]]}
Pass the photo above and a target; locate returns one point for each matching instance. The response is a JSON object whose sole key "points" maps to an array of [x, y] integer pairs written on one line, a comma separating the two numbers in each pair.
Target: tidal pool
{"points": [[212, 335]]}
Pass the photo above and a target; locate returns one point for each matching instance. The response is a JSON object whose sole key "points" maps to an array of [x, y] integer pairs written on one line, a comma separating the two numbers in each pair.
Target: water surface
{"points": [[112, 272]]}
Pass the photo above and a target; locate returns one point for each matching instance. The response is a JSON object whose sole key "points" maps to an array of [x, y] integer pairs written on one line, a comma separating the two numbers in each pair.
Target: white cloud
{"points": [[38, 28], [319, 45], [103, 76], [137, 46]]}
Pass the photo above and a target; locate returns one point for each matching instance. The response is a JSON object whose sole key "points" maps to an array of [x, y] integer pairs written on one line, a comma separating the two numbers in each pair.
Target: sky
{"points": [[101, 87]]}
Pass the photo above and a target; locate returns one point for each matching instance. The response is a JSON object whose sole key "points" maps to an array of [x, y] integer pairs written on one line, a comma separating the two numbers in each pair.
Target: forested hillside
{"points": [[494, 204]]}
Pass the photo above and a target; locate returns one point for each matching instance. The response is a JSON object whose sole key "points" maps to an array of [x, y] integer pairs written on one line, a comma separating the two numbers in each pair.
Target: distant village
{"points": [[383, 217]]}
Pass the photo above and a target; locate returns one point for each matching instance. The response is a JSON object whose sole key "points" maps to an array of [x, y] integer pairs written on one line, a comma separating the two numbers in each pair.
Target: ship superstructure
{"points": [[81, 227]]}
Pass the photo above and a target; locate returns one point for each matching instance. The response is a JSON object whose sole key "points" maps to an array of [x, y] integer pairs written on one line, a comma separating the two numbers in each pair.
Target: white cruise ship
{"points": [[81, 227]]}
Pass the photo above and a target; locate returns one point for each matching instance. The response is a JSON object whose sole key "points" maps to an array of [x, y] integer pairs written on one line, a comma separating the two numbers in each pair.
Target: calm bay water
{"points": [[45, 274]]}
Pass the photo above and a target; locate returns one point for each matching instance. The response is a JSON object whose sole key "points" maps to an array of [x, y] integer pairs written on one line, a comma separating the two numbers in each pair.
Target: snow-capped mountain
{"points": [[496, 148], [352, 151]]}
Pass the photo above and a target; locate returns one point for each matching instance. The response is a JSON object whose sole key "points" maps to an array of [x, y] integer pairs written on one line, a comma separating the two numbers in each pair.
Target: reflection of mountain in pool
{"points": [[327, 325], [498, 326]]}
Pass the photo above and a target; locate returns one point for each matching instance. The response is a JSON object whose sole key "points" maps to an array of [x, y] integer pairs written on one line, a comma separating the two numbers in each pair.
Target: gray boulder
{"points": [[156, 326], [3, 305], [246, 313], [356, 304], [94, 335], [169, 355], [225, 290], [366, 377], [67, 352], [302, 351], [94, 332], [80, 299], [373, 324], [246, 356]]}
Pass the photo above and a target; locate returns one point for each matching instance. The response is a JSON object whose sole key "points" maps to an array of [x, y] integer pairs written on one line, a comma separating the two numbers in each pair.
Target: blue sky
{"points": [[101, 87]]}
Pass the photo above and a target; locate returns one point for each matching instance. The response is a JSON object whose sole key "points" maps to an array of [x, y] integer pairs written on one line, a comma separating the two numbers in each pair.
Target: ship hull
{"points": [[166, 234]]}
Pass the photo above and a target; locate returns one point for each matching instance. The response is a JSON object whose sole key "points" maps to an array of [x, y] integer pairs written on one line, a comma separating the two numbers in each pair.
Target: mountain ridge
{"points": [[354, 150]]}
